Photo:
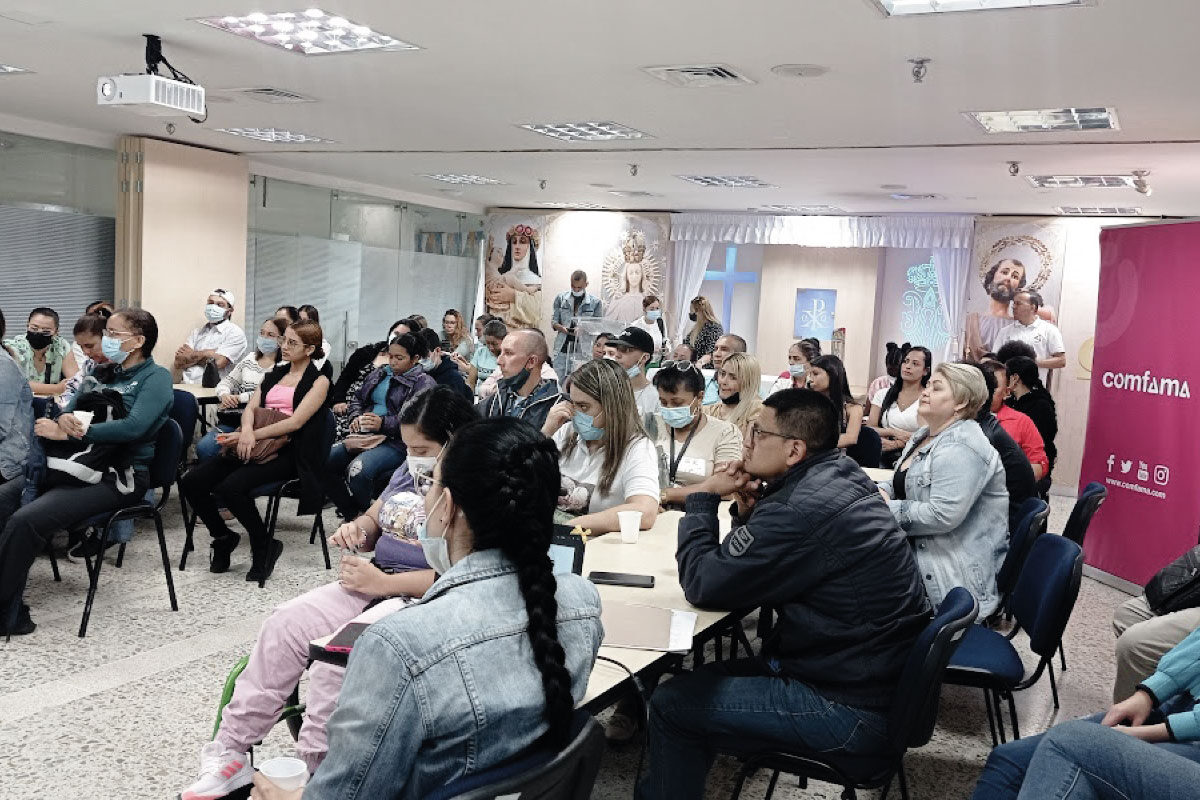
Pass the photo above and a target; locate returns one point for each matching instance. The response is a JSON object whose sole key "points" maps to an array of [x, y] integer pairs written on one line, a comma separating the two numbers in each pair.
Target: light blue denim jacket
{"points": [[448, 686], [956, 512], [16, 417], [564, 312]]}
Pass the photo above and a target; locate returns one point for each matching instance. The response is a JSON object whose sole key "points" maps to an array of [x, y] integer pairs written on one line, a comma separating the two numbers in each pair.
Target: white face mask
{"points": [[435, 548]]}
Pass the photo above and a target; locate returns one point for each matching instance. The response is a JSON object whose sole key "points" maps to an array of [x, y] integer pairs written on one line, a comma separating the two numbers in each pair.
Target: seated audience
{"points": [[738, 379], [309, 312], [480, 321], [1143, 747], [1018, 473], [401, 729], [894, 410], [420, 320], [456, 340], [521, 390], [1010, 350], [891, 362], [1031, 398], [948, 491], [389, 530], [608, 464], [288, 314], [1142, 639], [43, 356], [16, 433], [362, 362], [239, 385], [1019, 426], [86, 350], [820, 547], [100, 308], [145, 390], [726, 346], [374, 449], [682, 352], [483, 360], [702, 336], [652, 323], [298, 390], [567, 308], [600, 345], [827, 376], [215, 346], [632, 350], [693, 444], [800, 355], [439, 366]]}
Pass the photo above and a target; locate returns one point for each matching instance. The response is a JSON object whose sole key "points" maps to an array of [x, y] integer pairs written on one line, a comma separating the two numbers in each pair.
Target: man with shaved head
{"points": [[521, 390]]}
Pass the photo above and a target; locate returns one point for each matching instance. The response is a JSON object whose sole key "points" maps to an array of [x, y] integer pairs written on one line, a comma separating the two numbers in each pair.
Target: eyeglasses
{"points": [[682, 366], [117, 334], [757, 433]]}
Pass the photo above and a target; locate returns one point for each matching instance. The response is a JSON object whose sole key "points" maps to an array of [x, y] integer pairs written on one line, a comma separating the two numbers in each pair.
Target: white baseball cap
{"points": [[228, 295]]}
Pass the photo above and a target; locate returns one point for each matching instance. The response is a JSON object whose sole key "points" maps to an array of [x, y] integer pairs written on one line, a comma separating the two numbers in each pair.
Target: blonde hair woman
{"points": [[705, 331], [738, 380], [607, 462], [948, 491], [454, 331]]}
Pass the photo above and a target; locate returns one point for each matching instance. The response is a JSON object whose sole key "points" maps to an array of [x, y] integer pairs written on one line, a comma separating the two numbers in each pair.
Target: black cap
{"points": [[634, 337]]}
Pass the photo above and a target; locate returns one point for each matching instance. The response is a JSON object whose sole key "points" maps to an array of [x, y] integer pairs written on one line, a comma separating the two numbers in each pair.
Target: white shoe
{"points": [[221, 772]]}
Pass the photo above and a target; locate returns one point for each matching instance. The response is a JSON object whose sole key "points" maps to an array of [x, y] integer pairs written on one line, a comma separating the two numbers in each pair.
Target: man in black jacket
{"points": [[440, 367], [812, 538], [1018, 472]]}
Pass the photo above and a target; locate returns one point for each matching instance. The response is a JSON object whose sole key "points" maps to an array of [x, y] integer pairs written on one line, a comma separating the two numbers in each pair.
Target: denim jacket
{"points": [[956, 512], [564, 312], [16, 417], [448, 687]]}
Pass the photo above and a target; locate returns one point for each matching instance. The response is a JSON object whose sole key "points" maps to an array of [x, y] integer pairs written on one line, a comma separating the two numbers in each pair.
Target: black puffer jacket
{"points": [[822, 548]]}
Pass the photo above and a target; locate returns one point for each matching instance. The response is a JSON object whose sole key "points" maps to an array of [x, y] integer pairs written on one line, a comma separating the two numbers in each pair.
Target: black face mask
{"points": [[692, 316], [39, 340], [733, 399], [516, 381]]}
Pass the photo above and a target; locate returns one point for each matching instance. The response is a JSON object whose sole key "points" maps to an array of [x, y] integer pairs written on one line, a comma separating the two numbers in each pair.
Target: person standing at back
{"points": [[819, 545], [218, 342], [568, 307]]}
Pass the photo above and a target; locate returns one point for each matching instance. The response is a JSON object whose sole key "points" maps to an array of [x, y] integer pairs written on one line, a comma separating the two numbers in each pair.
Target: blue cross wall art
{"points": [[815, 313]]}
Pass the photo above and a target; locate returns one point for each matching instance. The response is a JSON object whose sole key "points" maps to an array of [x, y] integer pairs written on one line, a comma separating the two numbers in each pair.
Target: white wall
{"points": [[743, 315]]}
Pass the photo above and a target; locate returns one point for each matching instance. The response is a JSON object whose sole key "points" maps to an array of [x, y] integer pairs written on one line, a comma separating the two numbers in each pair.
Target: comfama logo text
{"points": [[1146, 383]]}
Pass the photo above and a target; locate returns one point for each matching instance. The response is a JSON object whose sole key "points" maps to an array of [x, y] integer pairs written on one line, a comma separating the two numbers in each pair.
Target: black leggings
{"points": [[227, 481]]}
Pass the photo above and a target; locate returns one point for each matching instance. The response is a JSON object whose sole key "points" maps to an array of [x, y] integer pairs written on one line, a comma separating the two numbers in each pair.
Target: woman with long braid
{"points": [[494, 657]]}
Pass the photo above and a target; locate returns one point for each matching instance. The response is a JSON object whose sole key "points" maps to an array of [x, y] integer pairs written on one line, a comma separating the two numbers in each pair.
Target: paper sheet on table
{"points": [[641, 627]]}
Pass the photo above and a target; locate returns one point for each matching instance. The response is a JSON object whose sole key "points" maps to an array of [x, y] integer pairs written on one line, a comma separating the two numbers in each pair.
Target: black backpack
{"points": [[1177, 585], [74, 463]]}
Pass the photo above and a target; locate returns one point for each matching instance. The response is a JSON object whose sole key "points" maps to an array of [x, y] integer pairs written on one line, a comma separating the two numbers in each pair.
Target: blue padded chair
{"points": [[538, 774], [1042, 602], [910, 720], [1085, 508], [868, 450], [1033, 515], [164, 471]]}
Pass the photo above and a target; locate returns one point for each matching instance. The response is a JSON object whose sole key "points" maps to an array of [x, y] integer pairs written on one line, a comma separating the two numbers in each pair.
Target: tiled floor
{"points": [[123, 712]]}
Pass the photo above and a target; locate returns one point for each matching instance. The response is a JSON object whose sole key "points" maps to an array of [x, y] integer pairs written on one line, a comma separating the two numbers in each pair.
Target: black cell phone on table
{"points": [[622, 579]]}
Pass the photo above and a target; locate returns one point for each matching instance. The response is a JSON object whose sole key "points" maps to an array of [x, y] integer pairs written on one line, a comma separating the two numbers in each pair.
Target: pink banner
{"points": [[1142, 428]]}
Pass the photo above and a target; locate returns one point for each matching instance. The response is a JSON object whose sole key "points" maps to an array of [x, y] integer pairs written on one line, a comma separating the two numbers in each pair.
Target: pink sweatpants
{"points": [[277, 661]]}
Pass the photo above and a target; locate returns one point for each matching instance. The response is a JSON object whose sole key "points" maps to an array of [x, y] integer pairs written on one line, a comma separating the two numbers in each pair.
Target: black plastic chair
{"points": [[1042, 602], [1033, 516], [185, 411], [868, 450], [542, 774], [164, 470], [1089, 502], [910, 720]]}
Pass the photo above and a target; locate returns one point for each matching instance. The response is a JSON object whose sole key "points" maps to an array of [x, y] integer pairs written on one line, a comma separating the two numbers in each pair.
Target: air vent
{"points": [[727, 181], [806, 210], [1100, 211], [903, 196], [269, 94], [1081, 181], [699, 76], [633, 194]]}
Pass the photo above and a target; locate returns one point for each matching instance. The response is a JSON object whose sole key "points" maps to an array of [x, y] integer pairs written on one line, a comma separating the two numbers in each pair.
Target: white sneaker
{"points": [[221, 772]]}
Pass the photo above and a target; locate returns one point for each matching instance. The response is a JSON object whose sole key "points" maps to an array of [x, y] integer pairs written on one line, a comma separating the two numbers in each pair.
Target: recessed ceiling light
{"points": [[576, 206], [906, 196], [899, 8], [727, 181], [464, 179], [1100, 211], [9, 69], [276, 135], [785, 209], [1081, 181], [312, 32], [799, 70], [585, 131], [1046, 120], [632, 193]]}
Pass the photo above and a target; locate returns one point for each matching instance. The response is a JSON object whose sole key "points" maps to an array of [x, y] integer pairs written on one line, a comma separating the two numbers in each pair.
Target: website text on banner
{"points": [[1145, 400]]}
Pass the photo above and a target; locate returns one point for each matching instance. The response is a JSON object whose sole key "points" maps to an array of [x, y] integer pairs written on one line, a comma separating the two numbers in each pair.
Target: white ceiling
{"points": [[487, 67]]}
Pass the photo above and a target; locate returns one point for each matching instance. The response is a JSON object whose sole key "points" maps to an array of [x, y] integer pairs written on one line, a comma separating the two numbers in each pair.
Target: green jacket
{"points": [[148, 394]]}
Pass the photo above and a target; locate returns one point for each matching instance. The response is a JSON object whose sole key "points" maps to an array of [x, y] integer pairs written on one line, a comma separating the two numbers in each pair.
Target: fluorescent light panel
{"points": [[1081, 181], [1100, 211], [463, 179], [784, 209], [1047, 120], [575, 206], [275, 135], [586, 131], [9, 69], [900, 8], [311, 32], [727, 181]]}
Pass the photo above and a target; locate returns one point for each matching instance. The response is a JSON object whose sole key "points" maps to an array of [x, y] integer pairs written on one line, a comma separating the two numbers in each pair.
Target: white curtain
{"points": [[691, 260], [953, 268], [917, 231]]}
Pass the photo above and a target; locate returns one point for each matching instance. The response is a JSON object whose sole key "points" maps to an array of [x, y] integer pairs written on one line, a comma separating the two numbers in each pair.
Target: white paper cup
{"points": [[85, 418], [631, 524], [285, 772]]}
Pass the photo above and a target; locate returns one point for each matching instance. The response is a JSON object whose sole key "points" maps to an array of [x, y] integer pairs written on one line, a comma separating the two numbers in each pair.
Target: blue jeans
{"points": [[730, 704], [1011, 765], [207, 447], [350, 478]]}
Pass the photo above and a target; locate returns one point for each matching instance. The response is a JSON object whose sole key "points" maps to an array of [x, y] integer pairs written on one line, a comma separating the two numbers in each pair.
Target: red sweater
{"points": [[1021, 428]]}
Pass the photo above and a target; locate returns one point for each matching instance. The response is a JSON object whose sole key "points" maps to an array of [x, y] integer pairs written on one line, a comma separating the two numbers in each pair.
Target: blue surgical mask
{"points": [[796, 370], [112, 349], [655, 315], [679, 417], [435, 548], [426, 364], [214, 313], [267, 345], [633, 371], [585, 427]]}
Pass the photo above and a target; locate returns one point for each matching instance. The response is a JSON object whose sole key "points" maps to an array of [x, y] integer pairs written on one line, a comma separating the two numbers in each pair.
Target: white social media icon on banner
{"points": [[1162, 475]]}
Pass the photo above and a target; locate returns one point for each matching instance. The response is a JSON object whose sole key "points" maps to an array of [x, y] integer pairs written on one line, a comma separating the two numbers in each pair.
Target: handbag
{"points": [[264, 449], [360, 442], [1177, 585]]}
